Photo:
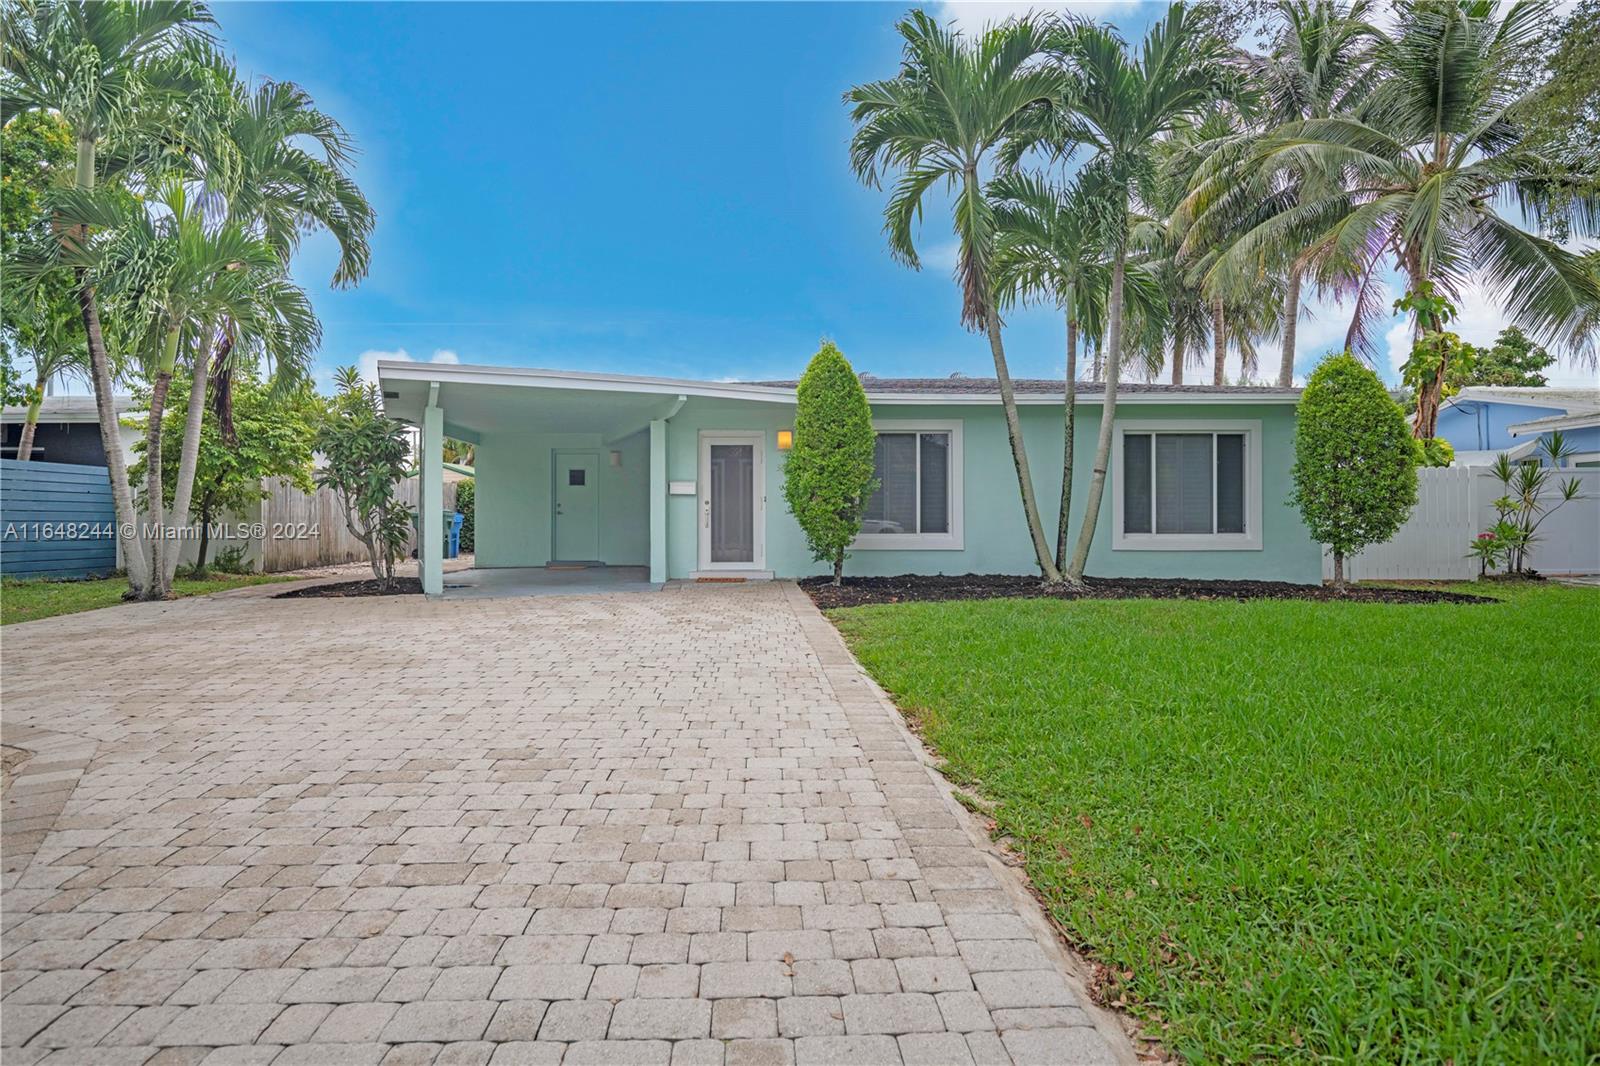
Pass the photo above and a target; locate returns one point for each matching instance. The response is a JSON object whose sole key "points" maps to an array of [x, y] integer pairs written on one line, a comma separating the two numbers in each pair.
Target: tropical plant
{"points": [[172, 276], [940, 121], [365, 454], [101, 65], [276, 431], [1052, 244], [1513, 360], [1523, 507], [1437, 150], [1121, 105], [828, 476], [467, 507], [1355, 473], [1320, 65], [41, 323]]}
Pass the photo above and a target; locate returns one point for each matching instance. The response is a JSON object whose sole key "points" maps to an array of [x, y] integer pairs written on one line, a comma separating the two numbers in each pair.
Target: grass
{"points": [[1292, 830], [29, 600]]}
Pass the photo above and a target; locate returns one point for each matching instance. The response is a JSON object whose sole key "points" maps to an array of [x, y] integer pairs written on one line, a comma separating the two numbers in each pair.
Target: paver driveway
{"points": [[675, 826]]}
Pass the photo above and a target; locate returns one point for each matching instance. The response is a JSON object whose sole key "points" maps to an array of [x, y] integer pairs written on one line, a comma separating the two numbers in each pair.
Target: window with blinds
{"points": [[1193, 483], [913, 494], [917, 501]]}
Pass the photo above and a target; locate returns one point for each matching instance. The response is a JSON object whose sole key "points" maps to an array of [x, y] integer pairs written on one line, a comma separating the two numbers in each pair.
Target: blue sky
{"points": [[643, 188]]}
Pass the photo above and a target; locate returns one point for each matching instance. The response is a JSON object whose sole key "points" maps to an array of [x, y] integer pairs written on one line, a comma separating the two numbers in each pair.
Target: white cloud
{"points": [[941, 257], [368, 360]]}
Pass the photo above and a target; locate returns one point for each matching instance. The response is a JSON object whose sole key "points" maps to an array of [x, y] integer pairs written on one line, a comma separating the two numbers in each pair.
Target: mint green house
{"points": [[684, 478]]}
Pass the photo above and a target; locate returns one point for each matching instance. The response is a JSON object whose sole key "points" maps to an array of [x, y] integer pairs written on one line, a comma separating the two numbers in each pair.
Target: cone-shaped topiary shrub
{"points": [[829, 473], [1355, 465]]}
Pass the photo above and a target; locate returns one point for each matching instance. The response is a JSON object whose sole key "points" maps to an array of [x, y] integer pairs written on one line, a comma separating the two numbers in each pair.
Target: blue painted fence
{"points": [[56, 520]]}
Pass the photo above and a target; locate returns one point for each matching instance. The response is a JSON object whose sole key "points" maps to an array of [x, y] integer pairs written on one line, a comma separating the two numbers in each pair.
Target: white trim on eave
{"points": [[531, 377]]}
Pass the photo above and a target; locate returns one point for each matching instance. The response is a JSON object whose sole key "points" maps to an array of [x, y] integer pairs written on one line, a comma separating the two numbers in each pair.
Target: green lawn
{"points": [[27, 600], [1294, 830]]}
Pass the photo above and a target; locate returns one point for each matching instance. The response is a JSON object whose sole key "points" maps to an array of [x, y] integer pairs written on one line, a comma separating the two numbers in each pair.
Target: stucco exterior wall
{"points": [[514, 495], [514, 492]]}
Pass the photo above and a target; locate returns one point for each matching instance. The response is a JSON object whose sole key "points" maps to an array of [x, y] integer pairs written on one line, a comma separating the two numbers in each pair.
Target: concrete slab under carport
{"points": [[509, 582]]}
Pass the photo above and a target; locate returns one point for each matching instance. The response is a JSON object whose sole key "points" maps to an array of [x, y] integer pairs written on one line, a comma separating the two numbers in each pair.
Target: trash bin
{"points": [[452, 545]]}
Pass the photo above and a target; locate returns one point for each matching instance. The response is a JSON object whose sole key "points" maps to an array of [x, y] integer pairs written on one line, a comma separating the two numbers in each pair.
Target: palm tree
{"points": [[1052, 244], [48, 329], [282, 171], [91, 61], [1321, 65], [1122, 107], [279, 167], [939, 121], [1424, 170], [172, 277]]}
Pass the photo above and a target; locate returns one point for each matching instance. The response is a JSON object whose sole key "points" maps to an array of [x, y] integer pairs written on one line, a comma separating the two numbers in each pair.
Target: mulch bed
{"points": [[908, 588], [403, 586]]}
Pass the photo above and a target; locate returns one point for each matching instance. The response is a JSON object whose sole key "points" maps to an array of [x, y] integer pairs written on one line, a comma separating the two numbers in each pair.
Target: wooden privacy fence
{"points": [[56, 520], [1455, 504], [298, 529]]}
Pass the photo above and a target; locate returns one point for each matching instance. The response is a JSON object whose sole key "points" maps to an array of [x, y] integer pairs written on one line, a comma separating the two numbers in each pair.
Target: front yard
{"points": [[1289, 829], [28, 600]]}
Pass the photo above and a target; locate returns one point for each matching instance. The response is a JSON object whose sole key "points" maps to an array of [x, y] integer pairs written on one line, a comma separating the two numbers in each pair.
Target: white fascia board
{"points": [[521, 377], [467, 374], [1555, 422], [1093, 400]]}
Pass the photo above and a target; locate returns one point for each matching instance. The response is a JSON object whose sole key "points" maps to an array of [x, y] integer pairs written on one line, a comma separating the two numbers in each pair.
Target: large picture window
{"points": [[1188, 486], [917, 503]]}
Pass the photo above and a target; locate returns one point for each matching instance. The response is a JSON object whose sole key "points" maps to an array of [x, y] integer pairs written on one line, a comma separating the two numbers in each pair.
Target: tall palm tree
{"points": [[1052, 245], [171, 277], [1436, 153], [1321, 65], [1122, 106], [940, 121], [277, 168], [92, 61]]}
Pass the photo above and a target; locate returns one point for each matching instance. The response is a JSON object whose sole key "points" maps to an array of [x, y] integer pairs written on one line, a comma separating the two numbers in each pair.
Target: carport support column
{"points": [[658, 500], [430, 505]]}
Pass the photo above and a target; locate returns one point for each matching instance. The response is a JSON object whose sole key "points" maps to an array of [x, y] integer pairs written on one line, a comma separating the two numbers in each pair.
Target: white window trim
{"points": [[1249, 540], [1582, 457], [951, 541]]}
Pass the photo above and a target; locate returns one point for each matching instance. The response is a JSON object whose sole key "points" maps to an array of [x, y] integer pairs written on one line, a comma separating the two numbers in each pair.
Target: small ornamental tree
{"points": [[365, 454], [1355, 466], [828, 476]]}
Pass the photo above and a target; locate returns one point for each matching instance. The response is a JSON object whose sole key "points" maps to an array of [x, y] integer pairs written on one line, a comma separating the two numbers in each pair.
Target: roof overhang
{"points": [[479, 399], [1582, 420]]}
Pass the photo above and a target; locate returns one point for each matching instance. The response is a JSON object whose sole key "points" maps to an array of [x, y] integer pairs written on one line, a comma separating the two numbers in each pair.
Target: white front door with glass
{"points": [[732, 502]]}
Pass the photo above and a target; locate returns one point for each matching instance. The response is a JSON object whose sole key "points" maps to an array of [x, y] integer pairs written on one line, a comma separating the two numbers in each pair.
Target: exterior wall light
{"points": [[616, 458], [785, 439]]}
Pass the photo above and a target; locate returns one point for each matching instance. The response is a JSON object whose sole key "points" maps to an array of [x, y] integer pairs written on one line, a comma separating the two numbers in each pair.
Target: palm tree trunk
{"points": [[1219, 344], [183, 490], [1019, 454], [155, 506], [1291, 322], [1108, 412], [30, 425], [1066, 448], [204, 547], [134, 559], [1179, 343]]}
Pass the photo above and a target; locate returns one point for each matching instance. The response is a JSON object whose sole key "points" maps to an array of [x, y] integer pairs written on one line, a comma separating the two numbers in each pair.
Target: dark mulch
{"points": [[403, 586], [908, 588]]}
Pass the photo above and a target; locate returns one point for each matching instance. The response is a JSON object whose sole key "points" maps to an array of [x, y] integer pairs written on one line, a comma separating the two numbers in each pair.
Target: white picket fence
{"points": [[1455, 504]]}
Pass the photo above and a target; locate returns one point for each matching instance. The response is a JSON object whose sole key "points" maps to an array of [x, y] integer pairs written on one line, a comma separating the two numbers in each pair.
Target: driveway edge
{"points": [[852, 683]]}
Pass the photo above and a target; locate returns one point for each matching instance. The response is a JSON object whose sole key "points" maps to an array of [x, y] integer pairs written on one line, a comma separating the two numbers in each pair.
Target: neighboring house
{"points": [[685, 476], [68, 431], [1481, 421]]}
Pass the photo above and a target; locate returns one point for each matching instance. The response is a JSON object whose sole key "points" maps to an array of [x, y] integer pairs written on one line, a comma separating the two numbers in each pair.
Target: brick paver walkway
{"points": [[672, 827]]}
